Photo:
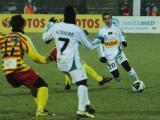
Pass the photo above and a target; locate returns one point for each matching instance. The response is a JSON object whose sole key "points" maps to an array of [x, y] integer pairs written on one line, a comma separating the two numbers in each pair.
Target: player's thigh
{"points": [[27, 78], [13, 81], [78, 75], [121, 58], [112, 65]]}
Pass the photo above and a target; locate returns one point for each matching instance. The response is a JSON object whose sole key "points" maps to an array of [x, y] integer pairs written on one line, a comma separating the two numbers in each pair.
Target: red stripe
{"points": [[1, 43], [2, 37], [9, 46], [11, 36], [12, 56], [10, 51]]}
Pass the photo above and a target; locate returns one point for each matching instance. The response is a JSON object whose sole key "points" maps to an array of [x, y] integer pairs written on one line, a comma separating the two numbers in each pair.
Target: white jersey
{"points": [[113, 36], [67, 38]]}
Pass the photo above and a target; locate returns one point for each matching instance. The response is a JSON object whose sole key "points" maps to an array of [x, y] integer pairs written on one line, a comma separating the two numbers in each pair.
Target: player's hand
{"points": [[103, 60], [53, 54], [124, 44], [86, 32], [49, 58], [53, 20], [101, 39]]}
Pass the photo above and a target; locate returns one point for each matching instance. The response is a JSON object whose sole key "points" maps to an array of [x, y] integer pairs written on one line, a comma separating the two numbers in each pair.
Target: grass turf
{"points": [[115, 101]]}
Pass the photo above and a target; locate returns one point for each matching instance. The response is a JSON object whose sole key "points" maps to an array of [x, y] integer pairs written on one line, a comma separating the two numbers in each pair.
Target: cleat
{"points": [[90, 109], [117, 79], [105, 80], [43, 113], [51, 114], [82, 114], [67, 87]]}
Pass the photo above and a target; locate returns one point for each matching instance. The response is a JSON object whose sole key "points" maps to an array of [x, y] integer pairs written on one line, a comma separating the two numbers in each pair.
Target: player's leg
{"points": [[39, 90], [67, 82], [40, 95], [121, 59], [31, 79], [91, 72], [132, 73], [112, 67], [79, 77]]}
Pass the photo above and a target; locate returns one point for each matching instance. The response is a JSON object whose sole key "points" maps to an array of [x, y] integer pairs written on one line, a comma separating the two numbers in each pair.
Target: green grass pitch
{"points": [[115, 101]]}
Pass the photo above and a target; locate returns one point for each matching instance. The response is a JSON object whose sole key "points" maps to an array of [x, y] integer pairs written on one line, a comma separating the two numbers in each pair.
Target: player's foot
{"points": [[67, 87], [117, 79], [90, 109], [44, 113], [105, 80], [82, 114]]}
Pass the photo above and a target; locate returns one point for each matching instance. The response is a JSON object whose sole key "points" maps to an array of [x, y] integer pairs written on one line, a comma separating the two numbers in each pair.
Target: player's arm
{"points": [[29, 48], [86, 43], [47, 34], [100, 49], [122, 38]]}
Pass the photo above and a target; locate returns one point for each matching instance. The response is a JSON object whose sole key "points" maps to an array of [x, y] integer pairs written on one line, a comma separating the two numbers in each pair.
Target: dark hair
{"points": [[106, 13], [17, 23], [69, 14]]}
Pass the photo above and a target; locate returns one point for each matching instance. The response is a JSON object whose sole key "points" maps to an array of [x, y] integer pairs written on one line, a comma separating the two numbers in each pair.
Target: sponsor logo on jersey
{"points": [[111, 43]]}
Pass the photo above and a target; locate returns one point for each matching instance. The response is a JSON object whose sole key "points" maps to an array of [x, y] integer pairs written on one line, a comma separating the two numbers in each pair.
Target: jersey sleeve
{"points": [[101, 33], [121, 35], [29, 48], [100, 51], [48, 32], [86, 42]]}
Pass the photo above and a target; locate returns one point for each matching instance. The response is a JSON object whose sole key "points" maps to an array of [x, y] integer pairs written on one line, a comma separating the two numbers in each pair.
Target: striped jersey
{"points": [[13, 46]]}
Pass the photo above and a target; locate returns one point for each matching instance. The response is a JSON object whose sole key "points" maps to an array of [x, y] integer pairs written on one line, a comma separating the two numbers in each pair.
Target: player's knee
{"points": [[126, 66], [82, 82], [40, 83], [115, 74]]}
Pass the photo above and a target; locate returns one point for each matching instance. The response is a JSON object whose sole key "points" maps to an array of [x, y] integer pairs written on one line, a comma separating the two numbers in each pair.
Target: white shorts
{"points": [[78, 75], [112, 64]]}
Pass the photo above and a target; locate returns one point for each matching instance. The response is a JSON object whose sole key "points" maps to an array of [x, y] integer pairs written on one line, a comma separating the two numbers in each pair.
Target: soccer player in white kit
{"points": [[67, 38], [110, 51]]}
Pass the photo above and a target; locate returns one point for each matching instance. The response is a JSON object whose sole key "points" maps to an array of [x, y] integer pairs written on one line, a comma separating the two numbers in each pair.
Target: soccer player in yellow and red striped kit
{"points": [[13, 46]]}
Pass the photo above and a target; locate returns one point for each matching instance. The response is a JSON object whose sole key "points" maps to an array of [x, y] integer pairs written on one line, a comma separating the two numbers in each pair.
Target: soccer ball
{"points": [[138, 86]]}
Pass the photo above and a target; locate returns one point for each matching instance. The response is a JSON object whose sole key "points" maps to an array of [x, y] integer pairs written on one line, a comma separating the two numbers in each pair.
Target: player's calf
{"points": [[116, 74]]}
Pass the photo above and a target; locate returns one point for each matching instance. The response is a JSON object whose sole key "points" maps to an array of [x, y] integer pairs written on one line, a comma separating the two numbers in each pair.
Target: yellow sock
{"points": [[42, 98], [67, 79], [91, 72]]}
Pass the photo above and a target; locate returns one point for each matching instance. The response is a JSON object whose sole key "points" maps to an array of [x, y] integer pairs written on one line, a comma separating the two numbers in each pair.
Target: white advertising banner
{"points": [[138, 24]]}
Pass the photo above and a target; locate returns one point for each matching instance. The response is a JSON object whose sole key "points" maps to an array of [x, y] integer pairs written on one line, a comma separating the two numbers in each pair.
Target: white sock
{"points": [[82, 97], [86, 97], [132, 73]]}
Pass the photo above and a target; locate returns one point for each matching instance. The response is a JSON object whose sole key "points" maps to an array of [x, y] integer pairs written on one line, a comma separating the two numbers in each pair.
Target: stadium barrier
{"points": [[129, 24]]}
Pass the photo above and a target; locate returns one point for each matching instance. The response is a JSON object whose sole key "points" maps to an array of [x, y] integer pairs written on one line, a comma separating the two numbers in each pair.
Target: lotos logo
{"points": [[115, 21], [5, 22]]}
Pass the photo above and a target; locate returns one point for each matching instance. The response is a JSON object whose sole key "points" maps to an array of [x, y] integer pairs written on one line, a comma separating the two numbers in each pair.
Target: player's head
{"points": [[107, 18], [69, 14], [17, 23], [29, 2]]}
